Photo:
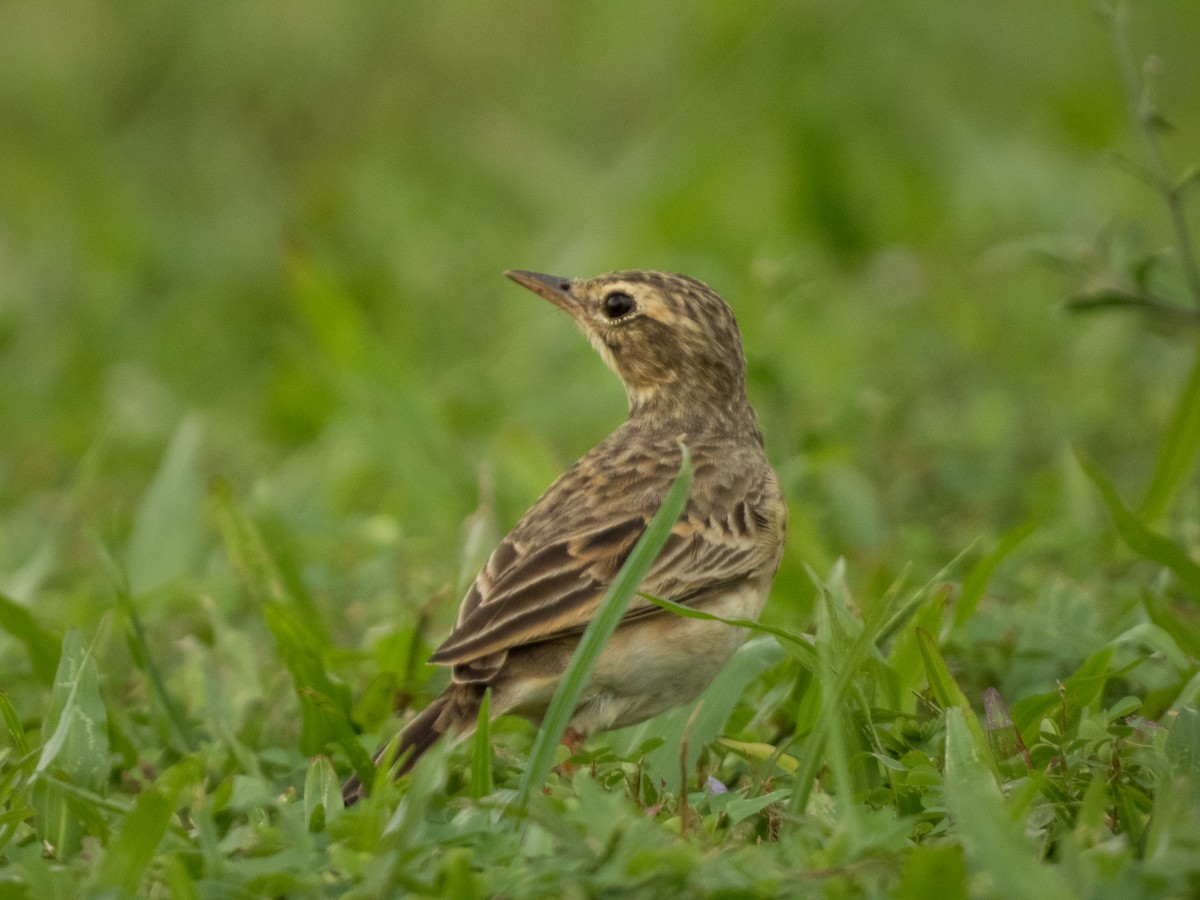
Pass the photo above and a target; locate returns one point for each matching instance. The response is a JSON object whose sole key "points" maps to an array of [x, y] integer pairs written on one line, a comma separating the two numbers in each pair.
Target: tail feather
{"points": [[454, 711]]}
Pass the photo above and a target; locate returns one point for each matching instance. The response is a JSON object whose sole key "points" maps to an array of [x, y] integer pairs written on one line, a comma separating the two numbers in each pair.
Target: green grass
{"points": [[267, 404]]}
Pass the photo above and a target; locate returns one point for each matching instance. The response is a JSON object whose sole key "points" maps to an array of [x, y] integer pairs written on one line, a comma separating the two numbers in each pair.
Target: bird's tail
{"points": [[454, 711]]}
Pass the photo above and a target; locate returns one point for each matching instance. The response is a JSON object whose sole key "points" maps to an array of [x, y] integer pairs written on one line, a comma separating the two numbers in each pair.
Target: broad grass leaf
{"points": [[1090, 820], [322, 794], [1177, 453], [1175, 821], [975, 583], [763, 752], [325, 701], [745, 807], [1183, 746], [934, 870], [1185, 633], [331, 314], [796, 643], [700, 722], [1140, 538], [950, 696], [76, 722], [996, 846], [169, 526], [407, 824], [1082, 689], [608, 616], [459, 876], [143, 658], [132, 847], [40, 644], [12, 723], [77, 745], [844, 644], [482, 783], [323, 722], [14, 801]]}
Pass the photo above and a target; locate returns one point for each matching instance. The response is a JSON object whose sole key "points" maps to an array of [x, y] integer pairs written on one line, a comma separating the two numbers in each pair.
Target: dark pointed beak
{"points": [[556, 290]]}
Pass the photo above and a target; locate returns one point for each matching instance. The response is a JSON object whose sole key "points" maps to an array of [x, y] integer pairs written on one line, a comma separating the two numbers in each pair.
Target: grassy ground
{"points": [[267, 403]]}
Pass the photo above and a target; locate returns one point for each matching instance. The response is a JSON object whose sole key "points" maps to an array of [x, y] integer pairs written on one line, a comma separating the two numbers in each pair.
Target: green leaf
{"points": [[1090, 828], [12, 722], [763, 752], [481, 750], [408, 822], [40, 644], [169, 526], [701, 722], [608, 616], [1183, 746], [996, 846], [331, 313], [1082, 690], [139, 649], [132, 847], [1085, 685], [322, 794], [745, 807], [934, 870], [1183, 632], [322, 717], [1177, 453], [325, 702], [76, 722], [1141, 540], [977, 579], [841, 658], [799, 644], [950, 696], [77, 745], [1176, 814]]}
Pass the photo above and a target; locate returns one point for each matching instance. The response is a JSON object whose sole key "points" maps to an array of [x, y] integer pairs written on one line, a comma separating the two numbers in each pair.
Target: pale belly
{"points": [[655, 663]]}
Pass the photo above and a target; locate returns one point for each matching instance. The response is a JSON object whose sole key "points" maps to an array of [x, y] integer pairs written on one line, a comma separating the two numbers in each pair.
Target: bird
{"points": [[676, 347]]}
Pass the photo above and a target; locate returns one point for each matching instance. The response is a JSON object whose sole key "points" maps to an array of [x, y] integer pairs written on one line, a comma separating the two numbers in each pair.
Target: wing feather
{"points": [[533, 590]]}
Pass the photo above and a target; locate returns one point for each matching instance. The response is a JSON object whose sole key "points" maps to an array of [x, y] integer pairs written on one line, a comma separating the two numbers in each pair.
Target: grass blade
{"points": [[131, 849], [609, 614], [950, 696], [322, 794], [1177, 455], [40, 644], [994, 843], [835, 678], [139, 650], [977, 579], [1141, 540], [169, 527], [77, 746], [482, 782], [1177, 803], [324, 700], [800, 643], [12, 723]]}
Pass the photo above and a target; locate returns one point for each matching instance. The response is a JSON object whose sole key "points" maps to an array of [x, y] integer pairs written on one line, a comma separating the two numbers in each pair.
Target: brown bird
{"points": [[676, 347]]}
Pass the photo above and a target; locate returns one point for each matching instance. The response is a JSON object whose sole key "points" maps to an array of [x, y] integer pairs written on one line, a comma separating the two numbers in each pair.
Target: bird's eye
{"points": [[618, 304]]}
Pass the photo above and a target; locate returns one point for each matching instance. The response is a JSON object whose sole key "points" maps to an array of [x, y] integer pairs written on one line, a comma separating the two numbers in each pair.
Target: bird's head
{"points": [[672, 341]]}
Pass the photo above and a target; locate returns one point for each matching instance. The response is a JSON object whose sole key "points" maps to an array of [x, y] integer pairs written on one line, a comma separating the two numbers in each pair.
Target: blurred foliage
{"points": [[260, 246]]}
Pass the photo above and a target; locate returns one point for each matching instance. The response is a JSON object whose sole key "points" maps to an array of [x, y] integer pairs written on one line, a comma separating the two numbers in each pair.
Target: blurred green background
{"points": [[285, 224]]}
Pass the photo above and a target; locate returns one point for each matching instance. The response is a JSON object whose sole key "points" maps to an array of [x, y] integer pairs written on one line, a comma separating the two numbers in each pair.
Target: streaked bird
{"points": [[676, 347]]}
